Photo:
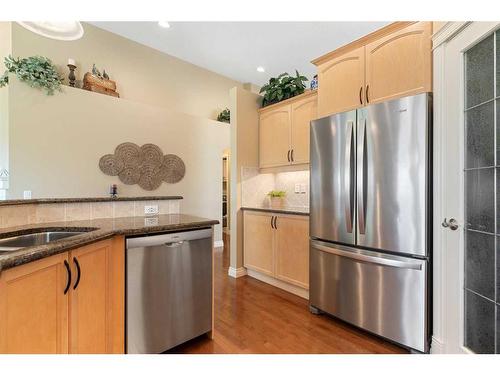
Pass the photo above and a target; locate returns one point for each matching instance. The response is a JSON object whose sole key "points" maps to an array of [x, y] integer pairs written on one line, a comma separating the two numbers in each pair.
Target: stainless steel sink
{"points": [[35, 239]]}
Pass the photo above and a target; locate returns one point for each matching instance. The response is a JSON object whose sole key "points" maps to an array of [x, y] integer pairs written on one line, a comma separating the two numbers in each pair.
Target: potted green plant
{"points": [[224, 116], [283, 87], [36, 71], [277, 198]]}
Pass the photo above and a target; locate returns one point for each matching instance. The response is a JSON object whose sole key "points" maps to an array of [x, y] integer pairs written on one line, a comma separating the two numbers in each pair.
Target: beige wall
{"points": [[142, 73], [244, 153], [56, 142], [5, 50]]}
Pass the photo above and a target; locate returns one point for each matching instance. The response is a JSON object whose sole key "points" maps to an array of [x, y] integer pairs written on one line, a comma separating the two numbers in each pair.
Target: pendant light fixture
{"points": [[65, 30]]}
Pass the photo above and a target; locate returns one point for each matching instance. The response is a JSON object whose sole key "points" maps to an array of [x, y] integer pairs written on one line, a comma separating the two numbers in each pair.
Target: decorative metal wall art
{"points": [[145, 165]]}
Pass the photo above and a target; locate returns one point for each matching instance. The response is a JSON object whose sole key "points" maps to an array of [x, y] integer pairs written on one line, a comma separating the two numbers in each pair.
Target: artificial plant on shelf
{"points": [[36, 71], [283, 87], [224, 116]]}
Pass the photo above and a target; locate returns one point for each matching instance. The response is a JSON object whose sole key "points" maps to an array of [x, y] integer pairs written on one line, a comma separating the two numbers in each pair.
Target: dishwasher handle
{"points": [[168, 238], [173, 244]]}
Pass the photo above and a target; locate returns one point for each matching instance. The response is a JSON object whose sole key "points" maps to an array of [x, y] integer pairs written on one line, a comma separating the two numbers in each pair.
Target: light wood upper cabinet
{"points": [[34, 308], [258, 239], [37, 316], [292, 250], [95, 303], [284, 131], [391, 62], [303, 111], [281, 252], [400, 64], [341, 83], [274, 137]]}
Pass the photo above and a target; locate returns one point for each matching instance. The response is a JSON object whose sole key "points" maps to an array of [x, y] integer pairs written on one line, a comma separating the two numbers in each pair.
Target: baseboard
{"points": [[236, 272], [298, 291], [437, 347], [219, 243]]}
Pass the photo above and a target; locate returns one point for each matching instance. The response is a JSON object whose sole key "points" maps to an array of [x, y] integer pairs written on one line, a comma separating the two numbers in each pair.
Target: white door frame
{"points": [[448, 246]]}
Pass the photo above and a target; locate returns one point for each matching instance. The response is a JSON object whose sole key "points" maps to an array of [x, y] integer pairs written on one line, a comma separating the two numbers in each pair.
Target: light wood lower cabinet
{"points": [[36, 316], [34, 308], [96, 318], [292, 250], [258, 237], [277, 245]]}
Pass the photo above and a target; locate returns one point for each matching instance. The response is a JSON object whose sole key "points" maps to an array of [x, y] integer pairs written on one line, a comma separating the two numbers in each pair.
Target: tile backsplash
{"points": [[22, 214], [255, 187]]}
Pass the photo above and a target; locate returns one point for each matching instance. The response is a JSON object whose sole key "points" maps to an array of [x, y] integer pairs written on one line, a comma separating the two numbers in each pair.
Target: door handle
{"points": [[347, 178], [276, 222], [360, 257], [78, 272], [366, 92], [272, 219], [173, 244], [361, 95], [362, 180], [288, 156], [291, 155], [68, 272], [452, 224]]}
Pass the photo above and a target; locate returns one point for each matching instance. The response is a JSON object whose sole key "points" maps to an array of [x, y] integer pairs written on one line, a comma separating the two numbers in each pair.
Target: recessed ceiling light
{"points": [[164, 24], [261, 69]]}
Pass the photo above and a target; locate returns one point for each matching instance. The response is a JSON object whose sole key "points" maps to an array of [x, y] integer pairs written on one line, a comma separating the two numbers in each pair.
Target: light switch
{"points": [[303, 188], [27, 194], [297, 188]]}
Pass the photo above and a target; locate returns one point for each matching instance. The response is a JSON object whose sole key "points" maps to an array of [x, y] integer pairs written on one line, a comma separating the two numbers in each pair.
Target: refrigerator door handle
{"points": [[358, 256], [347, 177], [361, 179]]}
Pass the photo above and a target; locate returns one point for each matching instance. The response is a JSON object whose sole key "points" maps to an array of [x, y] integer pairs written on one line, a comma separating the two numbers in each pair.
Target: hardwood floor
{"points": [[254, 317]]}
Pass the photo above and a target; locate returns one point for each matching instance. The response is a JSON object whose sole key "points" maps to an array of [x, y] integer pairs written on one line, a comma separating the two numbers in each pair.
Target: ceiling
{"points": [[236, 49]]}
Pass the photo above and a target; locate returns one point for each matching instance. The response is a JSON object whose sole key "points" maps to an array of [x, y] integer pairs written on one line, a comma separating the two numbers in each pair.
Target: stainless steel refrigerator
{"points": [[370, 222]]}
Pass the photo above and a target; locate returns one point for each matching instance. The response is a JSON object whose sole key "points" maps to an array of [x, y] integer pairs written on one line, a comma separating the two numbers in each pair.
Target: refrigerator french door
{"points": [[369, 224]]}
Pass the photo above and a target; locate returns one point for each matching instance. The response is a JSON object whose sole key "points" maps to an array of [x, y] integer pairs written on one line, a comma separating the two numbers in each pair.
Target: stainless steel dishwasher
{"points": [[169, 289]]}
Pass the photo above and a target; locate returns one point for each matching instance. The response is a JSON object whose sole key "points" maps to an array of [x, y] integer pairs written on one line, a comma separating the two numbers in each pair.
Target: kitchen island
{"points": [[68, 296]]}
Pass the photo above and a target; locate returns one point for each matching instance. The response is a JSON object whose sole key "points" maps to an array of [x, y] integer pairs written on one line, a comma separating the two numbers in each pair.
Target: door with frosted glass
{"points": [[482, 201]]}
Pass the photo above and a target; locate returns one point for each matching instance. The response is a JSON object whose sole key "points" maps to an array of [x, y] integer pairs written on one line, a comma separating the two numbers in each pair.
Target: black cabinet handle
{"points": [[68, 271], [288, 156], [78, 273], [367, 98], [272, 217], [291, 155], [275, 222], [361, 95]]}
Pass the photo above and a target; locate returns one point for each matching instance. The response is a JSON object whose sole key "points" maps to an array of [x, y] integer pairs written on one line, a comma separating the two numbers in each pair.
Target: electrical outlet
{"points": [[150, 221], [27, 194], [297, 188], [303, 188], [151, 210]]}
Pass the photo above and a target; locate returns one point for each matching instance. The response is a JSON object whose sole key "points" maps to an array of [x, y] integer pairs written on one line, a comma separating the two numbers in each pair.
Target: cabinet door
{"points": [[303, 112], [341, 83], [292, 250], [274, 137], [96, 298], [34, 308], [258, 241], [400, 64]]}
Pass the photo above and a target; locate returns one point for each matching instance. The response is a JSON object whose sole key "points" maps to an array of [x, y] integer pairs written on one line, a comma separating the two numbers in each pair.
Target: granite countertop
{"points": [[104, 228], [282, 210], [10, 202]]}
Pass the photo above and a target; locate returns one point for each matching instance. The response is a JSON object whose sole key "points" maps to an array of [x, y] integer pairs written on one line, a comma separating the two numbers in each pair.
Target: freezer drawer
{"points": [[381, 293]]}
